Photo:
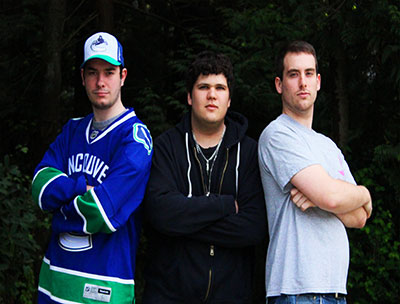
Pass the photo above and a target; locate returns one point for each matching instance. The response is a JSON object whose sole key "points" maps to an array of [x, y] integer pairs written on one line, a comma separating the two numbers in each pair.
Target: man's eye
{"points": [[221, 88]]}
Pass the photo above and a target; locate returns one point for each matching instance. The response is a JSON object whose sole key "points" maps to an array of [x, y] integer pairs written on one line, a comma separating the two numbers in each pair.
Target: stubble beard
{"points": [[105, 106]]}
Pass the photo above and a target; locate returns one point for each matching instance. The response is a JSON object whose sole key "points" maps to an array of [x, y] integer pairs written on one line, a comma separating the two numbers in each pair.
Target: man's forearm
{"points": [[354, 219], [330, 194]]}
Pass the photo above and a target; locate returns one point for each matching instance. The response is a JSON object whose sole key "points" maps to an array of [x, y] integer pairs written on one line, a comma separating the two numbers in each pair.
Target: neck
{"points": [[105, 114], [208, 137], [305, 119]]}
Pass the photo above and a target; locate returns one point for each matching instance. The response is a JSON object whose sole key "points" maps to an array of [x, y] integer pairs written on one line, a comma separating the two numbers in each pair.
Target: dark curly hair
{"points": [[206, 63]]}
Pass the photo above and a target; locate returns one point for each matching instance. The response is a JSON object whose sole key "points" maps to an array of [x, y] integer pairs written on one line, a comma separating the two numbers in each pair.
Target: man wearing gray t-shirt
{"points": [[310, 193]]}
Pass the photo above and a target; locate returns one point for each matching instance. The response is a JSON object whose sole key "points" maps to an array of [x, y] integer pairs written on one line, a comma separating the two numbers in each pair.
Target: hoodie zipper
{"points": [[223, 171], [212, 247], [201, 170], [209, 275]]}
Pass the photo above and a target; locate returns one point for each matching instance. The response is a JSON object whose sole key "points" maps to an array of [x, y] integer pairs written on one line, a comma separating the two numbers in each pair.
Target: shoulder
{"points": [[135, 132], [248, 143], [171, 136], [273, 129], [248, 149], [284, 129], [327, 140], [76, 124]]}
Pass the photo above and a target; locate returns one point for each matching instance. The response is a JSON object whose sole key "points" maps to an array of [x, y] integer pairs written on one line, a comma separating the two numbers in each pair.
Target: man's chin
{"points": [[101, 106]]}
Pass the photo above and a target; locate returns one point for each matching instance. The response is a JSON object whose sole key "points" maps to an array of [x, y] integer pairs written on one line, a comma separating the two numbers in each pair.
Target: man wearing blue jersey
{"points": [[204, 200], [310, 192], [92, 179]]}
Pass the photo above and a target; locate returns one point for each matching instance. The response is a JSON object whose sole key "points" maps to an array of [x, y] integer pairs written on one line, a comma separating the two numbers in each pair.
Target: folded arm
{"points": [[350, 203], [100, 208], [248, 226], [172, 212], [220, 219]]}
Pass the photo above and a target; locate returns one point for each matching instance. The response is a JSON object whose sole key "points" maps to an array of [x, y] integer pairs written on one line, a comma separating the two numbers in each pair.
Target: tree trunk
{"points": [[50, 103], [105, 9], [343, 101]]}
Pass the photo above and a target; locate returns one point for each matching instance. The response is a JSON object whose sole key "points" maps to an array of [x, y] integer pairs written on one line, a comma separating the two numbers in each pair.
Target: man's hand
{"points": [[300, 200], [236, 206]]}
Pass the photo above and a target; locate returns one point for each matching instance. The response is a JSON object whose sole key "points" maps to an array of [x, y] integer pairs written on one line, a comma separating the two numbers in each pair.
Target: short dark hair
{"points": [[297, 46], [206, 63]]}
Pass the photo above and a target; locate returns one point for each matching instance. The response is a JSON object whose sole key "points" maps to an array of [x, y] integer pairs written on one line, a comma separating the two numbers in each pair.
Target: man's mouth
{"points": [[211, 106], [303, 94], [101, 93]]}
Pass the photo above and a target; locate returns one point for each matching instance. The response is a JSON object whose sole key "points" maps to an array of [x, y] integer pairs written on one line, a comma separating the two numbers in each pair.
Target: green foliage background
{"points": [[358, 43]]}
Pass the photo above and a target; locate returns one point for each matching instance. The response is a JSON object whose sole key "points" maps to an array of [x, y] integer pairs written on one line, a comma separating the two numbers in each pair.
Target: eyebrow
{"points": [[107, 69], [208, 84], [297, 70]]}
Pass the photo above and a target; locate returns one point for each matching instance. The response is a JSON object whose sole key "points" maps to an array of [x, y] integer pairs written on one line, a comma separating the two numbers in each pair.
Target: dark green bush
{"points": [[19, 249], [375, 250]]}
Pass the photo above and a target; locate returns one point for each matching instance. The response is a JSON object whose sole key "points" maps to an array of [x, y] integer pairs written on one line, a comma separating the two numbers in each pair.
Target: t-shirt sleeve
{"points": [[284, 153]]}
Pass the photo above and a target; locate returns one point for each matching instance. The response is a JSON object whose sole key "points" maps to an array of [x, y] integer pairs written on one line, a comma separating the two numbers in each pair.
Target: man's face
{"points": [[210, 100], [103, 83], [300, 84]]}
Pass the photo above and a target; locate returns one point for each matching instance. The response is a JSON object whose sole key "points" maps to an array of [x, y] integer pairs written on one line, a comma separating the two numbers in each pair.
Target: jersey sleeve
{"points": [[108, 206], [51, 186]]}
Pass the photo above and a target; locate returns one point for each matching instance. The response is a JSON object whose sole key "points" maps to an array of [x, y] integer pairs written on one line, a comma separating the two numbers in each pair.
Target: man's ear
{"points": [[278, 85], [189, 99], [83, 77], [124, 73], [319, 82]]}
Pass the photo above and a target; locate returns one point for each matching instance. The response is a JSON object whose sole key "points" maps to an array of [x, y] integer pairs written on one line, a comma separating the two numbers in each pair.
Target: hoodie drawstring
{"points": [[189, 163], [190, 167], [237, 169]]}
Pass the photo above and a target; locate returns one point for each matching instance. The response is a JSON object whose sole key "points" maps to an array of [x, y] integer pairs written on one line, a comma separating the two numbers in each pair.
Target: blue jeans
{"points": [[308, 298]]}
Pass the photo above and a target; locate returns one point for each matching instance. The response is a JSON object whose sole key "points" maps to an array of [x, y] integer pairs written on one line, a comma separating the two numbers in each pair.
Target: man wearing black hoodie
{"points": [[204, 200]]}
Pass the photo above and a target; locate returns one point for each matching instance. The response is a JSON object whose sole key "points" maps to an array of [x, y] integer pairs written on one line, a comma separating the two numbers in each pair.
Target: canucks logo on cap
{"points": [[99, 45], [103, 46]]}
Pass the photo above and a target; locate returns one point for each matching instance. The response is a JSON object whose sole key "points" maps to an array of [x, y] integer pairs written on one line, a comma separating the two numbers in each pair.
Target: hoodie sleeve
{"points": [[249, 226], [169, 210]]}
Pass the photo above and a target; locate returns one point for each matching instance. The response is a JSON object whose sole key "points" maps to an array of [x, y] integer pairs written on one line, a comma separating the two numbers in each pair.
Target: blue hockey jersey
{"points": [[95, 233]]}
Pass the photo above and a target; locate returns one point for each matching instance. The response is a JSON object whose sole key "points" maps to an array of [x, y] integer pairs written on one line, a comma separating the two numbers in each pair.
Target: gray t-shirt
{"points": [[308, 251]]}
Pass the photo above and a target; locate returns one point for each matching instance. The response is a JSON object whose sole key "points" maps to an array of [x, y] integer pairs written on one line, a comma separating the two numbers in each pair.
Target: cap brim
{"points": [[103, 57]]}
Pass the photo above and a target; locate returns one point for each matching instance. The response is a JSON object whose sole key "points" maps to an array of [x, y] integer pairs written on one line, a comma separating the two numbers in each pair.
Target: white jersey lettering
{"points": [[88, 164]]}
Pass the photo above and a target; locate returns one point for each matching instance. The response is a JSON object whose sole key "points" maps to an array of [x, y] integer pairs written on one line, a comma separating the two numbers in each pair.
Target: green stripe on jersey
{"points": [[41, 180], [64, 286], [93, 214]]}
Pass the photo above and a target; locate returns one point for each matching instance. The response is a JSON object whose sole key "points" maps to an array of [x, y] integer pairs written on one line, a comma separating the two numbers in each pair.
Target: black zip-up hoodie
{"points": [[199, 249]]}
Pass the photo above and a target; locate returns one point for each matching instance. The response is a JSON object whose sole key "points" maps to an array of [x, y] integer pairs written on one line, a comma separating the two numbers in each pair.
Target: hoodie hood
{"points": [[236, 127]]}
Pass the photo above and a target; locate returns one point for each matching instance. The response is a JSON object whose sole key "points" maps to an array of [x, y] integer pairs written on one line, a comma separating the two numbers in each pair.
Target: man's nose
{"points": [[100, 80], [211, 93], [302, 81]]}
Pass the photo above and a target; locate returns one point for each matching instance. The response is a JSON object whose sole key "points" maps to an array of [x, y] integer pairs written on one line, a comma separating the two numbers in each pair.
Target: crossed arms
{"points": [[315, 188], [220, 219]]}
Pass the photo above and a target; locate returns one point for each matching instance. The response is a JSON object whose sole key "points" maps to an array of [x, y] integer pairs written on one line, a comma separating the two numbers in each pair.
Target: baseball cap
{"points": [[103, 46]]}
